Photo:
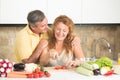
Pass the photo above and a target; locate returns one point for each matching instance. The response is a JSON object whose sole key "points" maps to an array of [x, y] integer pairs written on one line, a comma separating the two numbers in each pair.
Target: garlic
{"points": [[30, 67], [103, 70], [95, 66]]}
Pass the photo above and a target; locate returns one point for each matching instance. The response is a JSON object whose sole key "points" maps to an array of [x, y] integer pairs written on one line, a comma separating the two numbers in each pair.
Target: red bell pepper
{"points": [[109, 73]]}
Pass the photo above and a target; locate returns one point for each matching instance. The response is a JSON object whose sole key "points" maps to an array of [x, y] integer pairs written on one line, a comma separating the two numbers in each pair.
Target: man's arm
{"points": [[37, 52]]}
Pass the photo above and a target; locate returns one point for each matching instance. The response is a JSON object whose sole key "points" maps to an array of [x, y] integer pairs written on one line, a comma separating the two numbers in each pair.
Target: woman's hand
{"points": [[72, 63], [53, 54]]}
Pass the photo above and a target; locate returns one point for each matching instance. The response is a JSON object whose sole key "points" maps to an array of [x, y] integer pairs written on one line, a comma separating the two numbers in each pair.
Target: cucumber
{"points": [[84, 71], [87, 66]]}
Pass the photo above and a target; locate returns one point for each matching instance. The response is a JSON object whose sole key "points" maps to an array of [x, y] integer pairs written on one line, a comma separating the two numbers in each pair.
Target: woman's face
{"points": [[61, 31]]}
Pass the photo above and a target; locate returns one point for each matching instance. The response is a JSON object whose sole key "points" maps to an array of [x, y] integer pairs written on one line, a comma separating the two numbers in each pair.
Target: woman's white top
{"points": [[62, 59]]}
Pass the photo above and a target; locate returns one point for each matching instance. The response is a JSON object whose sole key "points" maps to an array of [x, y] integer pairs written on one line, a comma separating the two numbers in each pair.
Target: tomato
{"points": [[63, 67], [47, 74], [37, 70], [57, 67], [36, 75], [30, 75], [41, 74]]}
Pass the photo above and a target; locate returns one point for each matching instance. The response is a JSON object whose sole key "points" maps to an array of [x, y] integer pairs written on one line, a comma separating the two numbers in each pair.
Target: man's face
{"points": [[41, 26]]}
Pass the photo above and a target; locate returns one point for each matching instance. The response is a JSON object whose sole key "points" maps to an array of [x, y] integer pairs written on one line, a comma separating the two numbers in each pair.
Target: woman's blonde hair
{"points": [[67, 42]]}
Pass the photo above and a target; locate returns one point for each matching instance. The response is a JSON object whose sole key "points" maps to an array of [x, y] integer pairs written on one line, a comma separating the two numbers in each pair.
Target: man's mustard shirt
{"points": [[26, 42]]}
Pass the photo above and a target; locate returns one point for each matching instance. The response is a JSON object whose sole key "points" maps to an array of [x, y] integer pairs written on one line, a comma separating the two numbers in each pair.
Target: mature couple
{"points": [[50, 47]]}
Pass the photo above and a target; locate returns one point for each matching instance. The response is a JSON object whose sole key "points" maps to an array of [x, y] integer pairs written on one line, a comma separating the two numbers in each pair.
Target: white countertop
{"points": [[68, 75]]}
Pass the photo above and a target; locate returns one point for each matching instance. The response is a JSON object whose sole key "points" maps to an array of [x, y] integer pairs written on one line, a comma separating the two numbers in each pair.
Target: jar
{"points": [[118, 58]]}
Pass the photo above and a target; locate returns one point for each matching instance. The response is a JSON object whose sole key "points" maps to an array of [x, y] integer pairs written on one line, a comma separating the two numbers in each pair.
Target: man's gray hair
{"points": [[35, 16]]}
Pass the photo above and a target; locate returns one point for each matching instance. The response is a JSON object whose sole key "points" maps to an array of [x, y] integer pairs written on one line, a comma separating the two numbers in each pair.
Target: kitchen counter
{"points": [[68, 75]]}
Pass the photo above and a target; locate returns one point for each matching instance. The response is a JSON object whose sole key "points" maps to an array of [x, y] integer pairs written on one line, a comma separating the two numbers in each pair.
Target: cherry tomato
{"points": [[41, 74], [63, 67], [57, 67], [47, 74], [36, 75], [30, 75], [37, 70]]}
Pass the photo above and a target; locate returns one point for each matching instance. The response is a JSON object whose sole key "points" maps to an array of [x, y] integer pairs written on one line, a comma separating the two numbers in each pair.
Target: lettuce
{"points": [[104, 61]]}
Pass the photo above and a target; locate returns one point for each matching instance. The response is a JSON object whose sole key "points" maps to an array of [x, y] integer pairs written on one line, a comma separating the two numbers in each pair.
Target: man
{"points": [[28, 38], [28, 44]]}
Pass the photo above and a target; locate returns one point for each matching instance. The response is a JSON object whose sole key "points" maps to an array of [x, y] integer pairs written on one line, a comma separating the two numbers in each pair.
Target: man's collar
{"points": [[30, 31]]}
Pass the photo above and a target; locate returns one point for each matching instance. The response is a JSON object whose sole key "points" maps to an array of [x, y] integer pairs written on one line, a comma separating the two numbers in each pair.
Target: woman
{"points": [[59, 50]]}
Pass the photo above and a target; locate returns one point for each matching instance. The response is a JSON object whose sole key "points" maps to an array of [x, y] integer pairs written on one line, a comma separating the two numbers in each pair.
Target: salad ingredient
{"points": [[57, 67], [103, 70], [96, 71], [30, 75], [104, 61], [41, 74], [19, 67], [60, 67], [30, 67], [95, 66], [38, 73], [47, 74], [109, 73], [42, 68], [84, 71], [63, 67], [5, 67], [87, 66]]}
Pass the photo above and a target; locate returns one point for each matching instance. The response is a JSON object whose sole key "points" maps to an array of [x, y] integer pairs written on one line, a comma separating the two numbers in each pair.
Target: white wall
{"points": [[101, 11], [15, 11], [80, 11], [71, 8]]}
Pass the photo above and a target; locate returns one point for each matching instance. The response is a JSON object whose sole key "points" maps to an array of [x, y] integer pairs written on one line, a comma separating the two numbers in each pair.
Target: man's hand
{"points": [[25, 60], [75, 41], [37, 52]]}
